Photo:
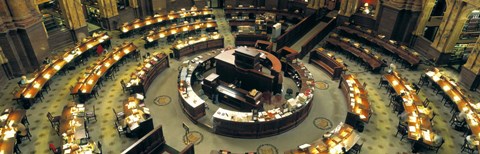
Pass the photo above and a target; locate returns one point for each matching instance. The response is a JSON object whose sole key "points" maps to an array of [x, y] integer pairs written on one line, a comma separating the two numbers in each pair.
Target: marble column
{"points": [[21, 14], [75, 18], [109, 14], [348, 7], [398, 19], [24, 40], [470, 73], [452, 24], [34, 10]]}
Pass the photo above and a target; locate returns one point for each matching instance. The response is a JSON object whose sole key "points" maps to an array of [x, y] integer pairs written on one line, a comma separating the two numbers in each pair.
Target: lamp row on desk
{"points": [[157, 18], [193, 40], [162, 33], [50, 69]]}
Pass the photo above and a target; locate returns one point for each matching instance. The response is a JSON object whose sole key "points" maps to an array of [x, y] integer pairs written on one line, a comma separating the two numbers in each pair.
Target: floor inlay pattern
{"points": [[322, 123], [162, 100]]}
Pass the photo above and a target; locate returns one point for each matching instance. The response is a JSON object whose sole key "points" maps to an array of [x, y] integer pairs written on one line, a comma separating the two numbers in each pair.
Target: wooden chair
{"points": [[25, 121], [99, 145], [118, 115], [356, 149], [55, 121], [91, 115], [124, 87], [426, 102], [28, 136], [402, 130], [383, 82], [16, 150], [435, 148], [466, 147], [119, 129]]}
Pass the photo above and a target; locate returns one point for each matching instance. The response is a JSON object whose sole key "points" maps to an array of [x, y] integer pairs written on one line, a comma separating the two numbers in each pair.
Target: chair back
{"points": [[122, 82], [49, 116], [94, 110], [99, 146], [426, 102]]}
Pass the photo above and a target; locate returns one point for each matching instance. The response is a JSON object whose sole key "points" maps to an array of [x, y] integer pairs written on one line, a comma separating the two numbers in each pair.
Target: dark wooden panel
{"points": [[388, 21]]}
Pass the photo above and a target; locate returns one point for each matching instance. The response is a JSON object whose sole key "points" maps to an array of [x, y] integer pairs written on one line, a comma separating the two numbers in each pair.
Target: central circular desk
{"points": [[245, 124]]}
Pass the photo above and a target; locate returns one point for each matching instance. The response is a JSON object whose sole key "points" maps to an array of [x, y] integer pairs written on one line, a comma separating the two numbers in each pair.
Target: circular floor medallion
{"points": [[162, 100], [267, 149], [322, 123], [321, 85], [193, 137]]}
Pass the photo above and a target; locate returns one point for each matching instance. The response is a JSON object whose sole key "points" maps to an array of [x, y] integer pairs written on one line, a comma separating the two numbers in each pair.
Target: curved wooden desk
{"points": [[369, 36], [192, 104], [452, 90], [271, 122], [7, 143], [375, 63], [198, 45], [249, 39], [150, 39], [343, 135], [357, 98], [72, 125], [419, 124], [42, 78], [237, 124], [327, 62], [86, 83], [157, 18], [255, 11], [146, 72]]}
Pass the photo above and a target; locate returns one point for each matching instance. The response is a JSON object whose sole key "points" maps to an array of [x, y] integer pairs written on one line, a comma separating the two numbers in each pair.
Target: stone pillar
{"points": [[398, 19], [108, 13], [24, 39], [452, 24], [75, 18], [134, 4], [348, 7], [470, 73], [144, 8], [21, 14], [424, 17], [34, 10]]}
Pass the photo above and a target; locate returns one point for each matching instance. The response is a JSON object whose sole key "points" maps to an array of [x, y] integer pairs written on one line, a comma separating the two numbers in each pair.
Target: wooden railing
{"points": [[315, 39]]}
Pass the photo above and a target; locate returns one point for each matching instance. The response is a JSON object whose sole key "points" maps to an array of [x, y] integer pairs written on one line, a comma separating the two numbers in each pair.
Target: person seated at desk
{"points": [[437, 139], [472, 141], [23, 81], [47, 61], [461, 116], [392, 68], [21, 131], [403, 117]]}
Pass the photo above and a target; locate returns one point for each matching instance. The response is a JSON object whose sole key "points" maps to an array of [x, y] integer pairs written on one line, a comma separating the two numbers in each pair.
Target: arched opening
{"points": [[439, 8], [437, 12], [468, 37]]}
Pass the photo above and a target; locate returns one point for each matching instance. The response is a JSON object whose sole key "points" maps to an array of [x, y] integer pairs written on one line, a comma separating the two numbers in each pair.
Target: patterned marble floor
{"points": [[330, 104]]}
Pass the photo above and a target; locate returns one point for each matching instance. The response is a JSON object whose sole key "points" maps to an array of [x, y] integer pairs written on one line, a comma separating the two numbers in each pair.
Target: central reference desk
{"points": [[245, 124]]}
